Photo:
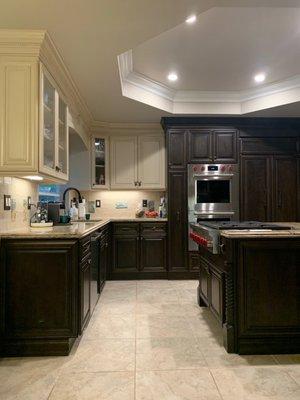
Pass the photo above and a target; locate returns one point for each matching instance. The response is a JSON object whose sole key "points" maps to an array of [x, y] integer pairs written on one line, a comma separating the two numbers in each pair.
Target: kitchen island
{"points": [[253, 288], [51, 279]]}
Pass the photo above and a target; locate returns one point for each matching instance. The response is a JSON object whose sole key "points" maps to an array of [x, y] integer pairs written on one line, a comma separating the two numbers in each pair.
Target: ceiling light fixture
{"points": [[33, 177], [259, 78], [191, 19], [172, 76]]}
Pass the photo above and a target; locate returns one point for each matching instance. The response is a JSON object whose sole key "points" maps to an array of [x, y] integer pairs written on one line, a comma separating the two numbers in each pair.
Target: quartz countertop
{"points": [[74, 231], [289, 233]]}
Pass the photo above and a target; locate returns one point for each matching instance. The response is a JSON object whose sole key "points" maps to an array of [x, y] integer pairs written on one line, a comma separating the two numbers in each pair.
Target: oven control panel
{"points": [[214, 169]]}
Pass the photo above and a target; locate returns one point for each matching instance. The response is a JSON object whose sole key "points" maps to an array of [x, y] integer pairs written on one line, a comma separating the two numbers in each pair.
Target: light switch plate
{"points": [[145, 203], [98, 203], [7, 202]]}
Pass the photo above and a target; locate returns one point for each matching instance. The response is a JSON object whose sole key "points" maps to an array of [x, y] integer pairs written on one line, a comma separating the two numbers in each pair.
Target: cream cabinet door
{"points": [[123, 162], [151, 162], [18, 115]]}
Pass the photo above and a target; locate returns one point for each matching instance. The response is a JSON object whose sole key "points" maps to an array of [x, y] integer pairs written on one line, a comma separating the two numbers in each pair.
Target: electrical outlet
{"points": [[145, 203], [7, 202], [98, 203], [28, 202]]}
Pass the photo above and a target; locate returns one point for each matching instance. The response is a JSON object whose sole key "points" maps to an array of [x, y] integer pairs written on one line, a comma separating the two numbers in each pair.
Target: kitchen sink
{"points": [[90, 221]]}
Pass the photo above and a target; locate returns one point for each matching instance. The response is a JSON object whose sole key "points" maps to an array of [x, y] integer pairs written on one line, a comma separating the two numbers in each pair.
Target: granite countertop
{"points": [[235, 233], [74, 231]]}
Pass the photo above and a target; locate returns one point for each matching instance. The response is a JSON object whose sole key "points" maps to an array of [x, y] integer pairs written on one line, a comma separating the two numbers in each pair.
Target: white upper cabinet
{"points": [[151, 162], [137, 162], [123, 166], [54, 138], [100, 162]]}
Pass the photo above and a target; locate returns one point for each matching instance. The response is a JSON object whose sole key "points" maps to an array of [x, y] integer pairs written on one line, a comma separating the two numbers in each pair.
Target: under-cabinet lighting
{"points": [[33, 177]]}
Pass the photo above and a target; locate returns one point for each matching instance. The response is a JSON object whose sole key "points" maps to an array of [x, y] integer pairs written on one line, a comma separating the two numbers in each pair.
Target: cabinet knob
{"points": [[140, 183]]}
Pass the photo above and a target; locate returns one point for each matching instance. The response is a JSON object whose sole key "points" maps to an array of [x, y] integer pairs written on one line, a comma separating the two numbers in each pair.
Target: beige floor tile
{"points": [[176, 385], [222, 359], [94, 386], [118, 295], [115, 308], [111, 327], [188, 284], [168, 354], [163, 295], [30, 378], [162, 325], [153, 284], [168, 309], [188, 296], [102, 355], [255, 383], [293, 371]]}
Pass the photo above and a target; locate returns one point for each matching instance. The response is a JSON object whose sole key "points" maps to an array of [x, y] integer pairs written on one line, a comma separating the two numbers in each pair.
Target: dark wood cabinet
{"points": [[225, 146], [211, 288], [153, 254], [194, 261], [125, 254], [178, 231], [85, 293], [269, 188], [286, 189], [212, 146], [139, 250], [176, 144], [200, 145], [255, 201], [104, 257], [39, 296]]}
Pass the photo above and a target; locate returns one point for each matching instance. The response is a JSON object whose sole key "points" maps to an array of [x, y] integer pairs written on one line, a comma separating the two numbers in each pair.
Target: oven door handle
{"points": [[213, 176]]}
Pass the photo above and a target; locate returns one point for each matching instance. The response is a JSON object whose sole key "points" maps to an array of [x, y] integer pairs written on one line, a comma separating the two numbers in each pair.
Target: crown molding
{"points": [[108, 128], [141, 88]]}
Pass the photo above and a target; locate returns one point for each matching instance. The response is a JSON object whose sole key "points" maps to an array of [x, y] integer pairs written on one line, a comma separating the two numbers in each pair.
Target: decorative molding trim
{"points": [[107, 128], [141, 88]]}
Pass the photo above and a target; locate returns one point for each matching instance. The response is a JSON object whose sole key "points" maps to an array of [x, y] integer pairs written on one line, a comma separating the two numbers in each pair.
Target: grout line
{"points": [[211, 374]]}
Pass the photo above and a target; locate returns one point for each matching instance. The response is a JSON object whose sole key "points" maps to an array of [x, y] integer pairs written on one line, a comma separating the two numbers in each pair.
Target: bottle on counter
{"points": [[73, 212], [81, 209]]}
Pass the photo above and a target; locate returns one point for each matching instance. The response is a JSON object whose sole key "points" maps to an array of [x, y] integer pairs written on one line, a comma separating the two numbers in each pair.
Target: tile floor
{"points": [[149, 340]]}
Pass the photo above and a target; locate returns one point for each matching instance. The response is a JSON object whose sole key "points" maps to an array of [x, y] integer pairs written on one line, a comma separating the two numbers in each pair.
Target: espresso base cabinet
{"points": [[139, 250], [39, 297], [253, 290]]}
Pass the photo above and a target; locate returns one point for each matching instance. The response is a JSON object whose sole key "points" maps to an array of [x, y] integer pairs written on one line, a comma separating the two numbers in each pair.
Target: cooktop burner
{"points": [[242, 225]]}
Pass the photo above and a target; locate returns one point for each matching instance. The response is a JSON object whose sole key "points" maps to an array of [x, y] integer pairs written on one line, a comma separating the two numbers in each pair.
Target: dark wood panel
{"points": [[176, 144], [177, 234], [256, 189], [153, 254], [285, 189], [85, 293], [125, 254], [269, 145], [153, 228], [204, 282], [200, 145], [125, 228], [216, 297], [39, 287], [225, 146], [193, 261], [269, 287]]}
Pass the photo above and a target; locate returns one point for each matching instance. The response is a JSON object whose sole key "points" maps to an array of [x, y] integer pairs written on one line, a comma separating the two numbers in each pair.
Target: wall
{"points": [[133, 198], [19, 189]]}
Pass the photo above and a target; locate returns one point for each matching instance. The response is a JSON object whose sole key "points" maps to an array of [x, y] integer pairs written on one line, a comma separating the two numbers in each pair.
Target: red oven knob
{"points": [[230, 168], [223, 168], [202, 168], [195, 168]]}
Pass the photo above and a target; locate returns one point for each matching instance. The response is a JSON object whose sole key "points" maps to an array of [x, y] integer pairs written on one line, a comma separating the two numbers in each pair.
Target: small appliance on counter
{"points": [[40, 218]]}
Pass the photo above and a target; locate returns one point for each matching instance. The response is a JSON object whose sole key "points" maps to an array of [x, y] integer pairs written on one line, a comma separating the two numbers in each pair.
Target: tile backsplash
{"points": [[19, 190], [130, 198]]}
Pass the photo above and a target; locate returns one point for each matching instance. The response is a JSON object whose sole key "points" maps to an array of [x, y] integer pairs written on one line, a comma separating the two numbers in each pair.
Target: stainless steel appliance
{"points": [[207, 234], [213, 193]]}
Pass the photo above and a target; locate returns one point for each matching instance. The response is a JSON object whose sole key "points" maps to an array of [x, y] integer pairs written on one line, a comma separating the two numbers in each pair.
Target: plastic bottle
{"points": [[81, 209]]}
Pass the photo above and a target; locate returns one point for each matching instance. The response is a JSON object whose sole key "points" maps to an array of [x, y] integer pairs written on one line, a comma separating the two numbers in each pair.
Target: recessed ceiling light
{"points": [[33, 177], [172, 77], [260, 77], [191, 19]]}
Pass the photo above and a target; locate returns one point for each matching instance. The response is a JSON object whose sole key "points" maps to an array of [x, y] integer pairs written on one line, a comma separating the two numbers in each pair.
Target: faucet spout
{"points": [[64, 196]]}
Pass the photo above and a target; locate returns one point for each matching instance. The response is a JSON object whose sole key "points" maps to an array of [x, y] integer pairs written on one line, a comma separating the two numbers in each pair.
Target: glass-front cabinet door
{"points": [[54, 144], [100, 177], [48, 128], [62, 138]]}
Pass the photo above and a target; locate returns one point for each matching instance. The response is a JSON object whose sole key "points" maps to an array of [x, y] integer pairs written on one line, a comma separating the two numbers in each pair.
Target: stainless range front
{"points": [[213, 193]]}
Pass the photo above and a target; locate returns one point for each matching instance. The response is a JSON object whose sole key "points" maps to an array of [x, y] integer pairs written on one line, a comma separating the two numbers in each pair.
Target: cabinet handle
{"points": [[106, 244], [57, 168], [140, 183], [178, 216], [222, 248]]}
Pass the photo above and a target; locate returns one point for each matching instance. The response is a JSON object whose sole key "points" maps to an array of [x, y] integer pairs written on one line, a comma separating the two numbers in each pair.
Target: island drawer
{"points": [[130, 229], [152, 228]]}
